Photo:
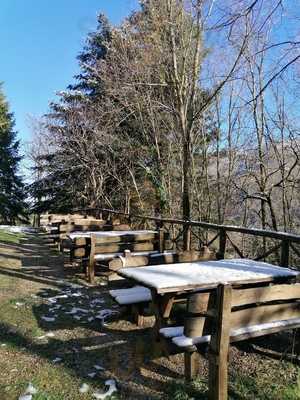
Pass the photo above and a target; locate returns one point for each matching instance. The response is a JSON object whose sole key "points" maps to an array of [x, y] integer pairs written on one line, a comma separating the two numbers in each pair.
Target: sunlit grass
{"points": [[9, 237]]}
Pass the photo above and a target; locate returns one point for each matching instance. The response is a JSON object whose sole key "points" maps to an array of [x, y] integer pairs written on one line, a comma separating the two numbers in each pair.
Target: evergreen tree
{"points": [[12, 194], [62, 182]]}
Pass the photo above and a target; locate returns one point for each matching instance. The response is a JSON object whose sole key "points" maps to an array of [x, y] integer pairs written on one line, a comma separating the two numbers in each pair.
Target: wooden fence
{"points": [[226, 240]]}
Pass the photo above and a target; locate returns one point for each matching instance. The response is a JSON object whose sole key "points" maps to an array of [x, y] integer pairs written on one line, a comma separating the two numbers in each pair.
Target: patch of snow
{"points": [[47, 335], [76, 310], [48, 319], [210, 273], [31, 389], [92, 375], [56, 360], [103, 314], [134, 298], [98, 367], [97, 301], [29, 392], [26, 397], [111, 383], [171, 331], [17, 229], [87, 234], [135, 289], [184, 341], [84, 388], [77, 294]]}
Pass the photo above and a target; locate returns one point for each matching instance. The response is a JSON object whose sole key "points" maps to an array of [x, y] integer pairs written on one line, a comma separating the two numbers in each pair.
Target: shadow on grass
{"points": [[80, 355], [39, 263], [280, 346]]}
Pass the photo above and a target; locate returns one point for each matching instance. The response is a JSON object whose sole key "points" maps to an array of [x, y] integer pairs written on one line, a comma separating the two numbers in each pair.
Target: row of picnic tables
{"points": [[186, 277], [165, 283], [166, 279], [169, 282]]}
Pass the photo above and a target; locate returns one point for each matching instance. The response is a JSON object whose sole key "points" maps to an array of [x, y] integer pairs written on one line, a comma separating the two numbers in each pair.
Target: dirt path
{"points": [[52, 334]]}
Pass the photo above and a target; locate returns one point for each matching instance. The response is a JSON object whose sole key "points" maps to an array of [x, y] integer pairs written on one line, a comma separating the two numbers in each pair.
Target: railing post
{"points": [[161, 244], [187, 237], [285, 253], [222, 246]]}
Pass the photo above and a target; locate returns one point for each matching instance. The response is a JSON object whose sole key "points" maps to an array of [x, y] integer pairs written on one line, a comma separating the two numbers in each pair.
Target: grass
{"points": [[11, 238], [25, 358], [242, 387]]}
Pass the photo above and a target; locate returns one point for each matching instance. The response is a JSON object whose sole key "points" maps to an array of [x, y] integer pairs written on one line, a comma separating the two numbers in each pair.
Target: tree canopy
{"points": [[178, 110], [12, 193]]}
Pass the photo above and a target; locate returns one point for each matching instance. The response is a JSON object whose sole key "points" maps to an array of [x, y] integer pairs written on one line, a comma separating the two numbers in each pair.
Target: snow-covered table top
{"points": [[87, 234], [205, 274]]}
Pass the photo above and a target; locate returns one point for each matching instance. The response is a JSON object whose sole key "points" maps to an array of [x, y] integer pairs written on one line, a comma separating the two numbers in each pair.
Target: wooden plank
{"points": [[265, 294], [88, 221], [166, 306], [264, 314], [157, 259], [262, 332], [91, 265], [191, 365], [129, 262], [120, 247], [128, 238], [219, 346], [87, 227]]}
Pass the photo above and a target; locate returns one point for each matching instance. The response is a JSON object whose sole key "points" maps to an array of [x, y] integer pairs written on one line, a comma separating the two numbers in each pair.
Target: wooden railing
{"points": [[279, 245]]}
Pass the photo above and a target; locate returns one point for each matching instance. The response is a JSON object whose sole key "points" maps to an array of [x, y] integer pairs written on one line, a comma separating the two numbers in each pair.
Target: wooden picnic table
{"points": [[169, 281], [81, 239]]}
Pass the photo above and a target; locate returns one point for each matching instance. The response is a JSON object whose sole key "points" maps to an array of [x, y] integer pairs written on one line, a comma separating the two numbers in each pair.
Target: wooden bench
{"points": [[138, 298], [106, 248], [216, 318], [55, 224], [76, 225], [79, 240]]}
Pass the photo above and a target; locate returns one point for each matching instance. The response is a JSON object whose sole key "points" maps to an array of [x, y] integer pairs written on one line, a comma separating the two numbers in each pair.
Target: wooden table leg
{"points": [[91, 271], [162, 305]]}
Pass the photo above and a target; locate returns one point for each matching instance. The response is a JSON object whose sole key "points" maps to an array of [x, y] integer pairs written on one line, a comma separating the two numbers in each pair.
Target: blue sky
{"points": [[39, 42]]}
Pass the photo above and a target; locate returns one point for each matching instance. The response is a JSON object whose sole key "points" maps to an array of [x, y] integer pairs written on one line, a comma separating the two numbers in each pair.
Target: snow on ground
{"points": [[17, 229]]}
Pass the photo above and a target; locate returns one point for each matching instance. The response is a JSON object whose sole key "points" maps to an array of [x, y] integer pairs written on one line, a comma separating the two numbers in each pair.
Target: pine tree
{"points": [[12, 193]]}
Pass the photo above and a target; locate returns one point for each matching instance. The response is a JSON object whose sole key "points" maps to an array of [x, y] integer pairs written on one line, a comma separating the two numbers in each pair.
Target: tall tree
{"points": [[12, 194]]}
